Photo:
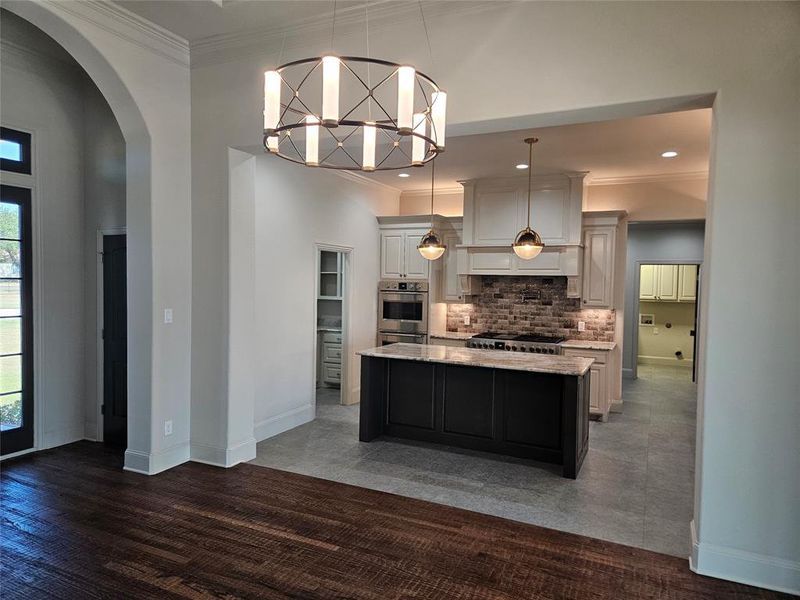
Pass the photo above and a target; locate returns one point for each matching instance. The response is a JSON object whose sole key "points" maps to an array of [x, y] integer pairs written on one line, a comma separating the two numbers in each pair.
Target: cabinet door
{"points": [[451, 282], [648, 282], [687, 283], [667, 282], [497, 215], [549, 214], [598, 265], [416, 267], [392, 252], [598, 389]]}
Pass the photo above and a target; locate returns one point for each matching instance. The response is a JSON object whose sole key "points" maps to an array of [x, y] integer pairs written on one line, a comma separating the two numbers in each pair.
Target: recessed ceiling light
{"points": [[403, 175], [669, 154], [522, 166]]}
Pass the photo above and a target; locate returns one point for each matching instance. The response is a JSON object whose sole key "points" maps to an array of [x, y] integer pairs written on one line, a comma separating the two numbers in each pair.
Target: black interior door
{"points": [[115, 340], [16, 320]]}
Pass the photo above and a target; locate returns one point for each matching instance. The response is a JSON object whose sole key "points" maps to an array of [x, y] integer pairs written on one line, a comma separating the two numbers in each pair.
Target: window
{"points": [[16, 323], [15, 151]]}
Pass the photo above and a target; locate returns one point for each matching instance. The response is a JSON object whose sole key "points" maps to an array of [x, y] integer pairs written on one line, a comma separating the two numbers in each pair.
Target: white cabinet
{"points": [[455, 287], [648, 282], [598, 266], [392, 254], [399, 255], [495, 210], [600, 388], [330, 364], [668, 283], [687, 283]]}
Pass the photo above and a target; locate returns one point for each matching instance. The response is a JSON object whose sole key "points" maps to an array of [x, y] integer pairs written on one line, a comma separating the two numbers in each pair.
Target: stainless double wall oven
{"points": [[402, 312]]}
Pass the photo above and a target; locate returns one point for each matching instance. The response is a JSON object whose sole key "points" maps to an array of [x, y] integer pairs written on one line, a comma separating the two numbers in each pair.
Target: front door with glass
{"points": [[16, 321]]}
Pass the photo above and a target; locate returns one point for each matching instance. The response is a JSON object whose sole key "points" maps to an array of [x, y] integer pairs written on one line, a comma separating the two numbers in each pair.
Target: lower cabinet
{"points": [[330, 354], [600, 390]]}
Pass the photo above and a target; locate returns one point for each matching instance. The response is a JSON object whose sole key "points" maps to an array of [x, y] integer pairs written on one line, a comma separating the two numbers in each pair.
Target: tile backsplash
{"points": [[530, 305]]}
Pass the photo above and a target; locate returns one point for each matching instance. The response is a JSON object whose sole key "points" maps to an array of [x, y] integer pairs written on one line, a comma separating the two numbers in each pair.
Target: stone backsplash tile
{"points": [[530, 305]]}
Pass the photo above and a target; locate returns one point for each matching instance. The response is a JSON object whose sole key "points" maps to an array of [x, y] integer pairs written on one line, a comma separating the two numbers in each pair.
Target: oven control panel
{"points": [[403, 286]]}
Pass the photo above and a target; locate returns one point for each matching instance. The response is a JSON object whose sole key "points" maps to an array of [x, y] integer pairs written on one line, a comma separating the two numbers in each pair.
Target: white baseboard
{"points": [[16, 454], [664, 360], [750, 568], [283, 422], [224, 457], [152, 463]]}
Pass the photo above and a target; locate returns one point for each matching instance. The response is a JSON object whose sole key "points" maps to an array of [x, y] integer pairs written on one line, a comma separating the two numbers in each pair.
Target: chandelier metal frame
{"points": [[294, 115]]}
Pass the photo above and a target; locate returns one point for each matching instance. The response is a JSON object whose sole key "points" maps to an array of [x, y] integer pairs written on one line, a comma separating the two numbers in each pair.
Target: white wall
{"points": [[295, 209], [143, 72], [44, 94], [79, 186], [666, 200], [104, 209], [658, 344], [542, 64]]}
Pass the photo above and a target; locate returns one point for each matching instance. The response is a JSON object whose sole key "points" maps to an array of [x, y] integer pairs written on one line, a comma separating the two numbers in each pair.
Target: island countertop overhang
{"points": [[490, 359]]}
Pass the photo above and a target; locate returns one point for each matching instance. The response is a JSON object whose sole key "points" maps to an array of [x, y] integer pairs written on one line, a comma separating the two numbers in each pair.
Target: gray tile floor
{"points": [[635, 488]]}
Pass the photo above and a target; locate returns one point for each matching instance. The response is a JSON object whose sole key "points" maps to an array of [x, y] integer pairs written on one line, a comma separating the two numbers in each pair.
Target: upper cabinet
{"points": [[495, 210], [603, 258], [687, 283], [399, 255], [668, 283]]}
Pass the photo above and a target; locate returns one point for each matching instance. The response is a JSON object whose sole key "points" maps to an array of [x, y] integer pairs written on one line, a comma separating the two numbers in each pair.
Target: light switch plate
{"points": [[167, 315], [581, 325]]}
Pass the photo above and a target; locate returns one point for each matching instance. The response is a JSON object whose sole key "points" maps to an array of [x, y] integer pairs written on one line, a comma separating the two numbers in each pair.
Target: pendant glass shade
{"points": [[527, 244], [406, 78], [368, 155], [330, 91], [430, 246]]}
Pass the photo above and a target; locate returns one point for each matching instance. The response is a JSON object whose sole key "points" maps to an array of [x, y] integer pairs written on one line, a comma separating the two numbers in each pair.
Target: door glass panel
{"points": [[10, 298], [10, 411], [9, 258], [10, 373], [9, 221], [10, 335]]}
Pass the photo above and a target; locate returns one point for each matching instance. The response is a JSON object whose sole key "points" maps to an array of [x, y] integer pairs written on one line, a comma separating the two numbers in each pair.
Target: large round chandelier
{"points": [[353, 113]]}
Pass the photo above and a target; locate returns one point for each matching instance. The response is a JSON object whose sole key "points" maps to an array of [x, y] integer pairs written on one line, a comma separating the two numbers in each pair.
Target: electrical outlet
{"points": [[655, 330], [167, 427], [581, 325], [167, 315], [466, 319]]}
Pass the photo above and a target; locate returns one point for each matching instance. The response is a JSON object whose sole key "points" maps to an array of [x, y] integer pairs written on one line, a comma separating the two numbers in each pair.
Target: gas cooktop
{"points": [[540, 344]]}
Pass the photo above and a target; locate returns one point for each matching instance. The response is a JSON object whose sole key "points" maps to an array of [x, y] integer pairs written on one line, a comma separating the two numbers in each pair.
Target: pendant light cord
{"points": [[369, 81], [333, 25], [427, 37], [433, 174], [530, 174]]}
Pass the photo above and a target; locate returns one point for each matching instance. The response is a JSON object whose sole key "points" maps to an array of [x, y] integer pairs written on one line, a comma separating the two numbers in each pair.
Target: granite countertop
{"points": [[589, 345], [491, 359], [454, 335]]}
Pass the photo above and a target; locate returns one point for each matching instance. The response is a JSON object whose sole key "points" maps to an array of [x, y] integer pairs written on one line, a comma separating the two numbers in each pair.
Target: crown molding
{"points": [[127, 26], [363, 180], [683, 176], [302, 34], [426, 193]]}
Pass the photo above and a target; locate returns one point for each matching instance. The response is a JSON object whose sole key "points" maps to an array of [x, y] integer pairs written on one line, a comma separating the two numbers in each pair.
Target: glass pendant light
{"points": [[528, 244], [430, 246]]}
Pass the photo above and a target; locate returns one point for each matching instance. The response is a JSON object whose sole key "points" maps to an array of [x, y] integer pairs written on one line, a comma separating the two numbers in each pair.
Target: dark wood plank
{"points": [[74, 525]]}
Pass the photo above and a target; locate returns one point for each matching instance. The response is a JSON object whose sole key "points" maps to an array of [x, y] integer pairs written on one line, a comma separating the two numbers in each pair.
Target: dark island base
{"points": [[517, 413]]}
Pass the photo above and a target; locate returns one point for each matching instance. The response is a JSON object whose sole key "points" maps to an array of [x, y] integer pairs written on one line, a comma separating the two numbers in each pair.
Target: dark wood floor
{"points": [[75, 526]]}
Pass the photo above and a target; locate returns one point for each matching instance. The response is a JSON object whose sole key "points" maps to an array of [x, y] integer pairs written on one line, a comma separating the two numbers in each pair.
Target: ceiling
{"points": [[620, 149], [194, 20]]}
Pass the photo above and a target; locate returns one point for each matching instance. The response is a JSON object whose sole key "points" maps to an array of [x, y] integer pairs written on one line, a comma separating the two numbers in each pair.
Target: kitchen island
{"points": [[525, 405]]}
